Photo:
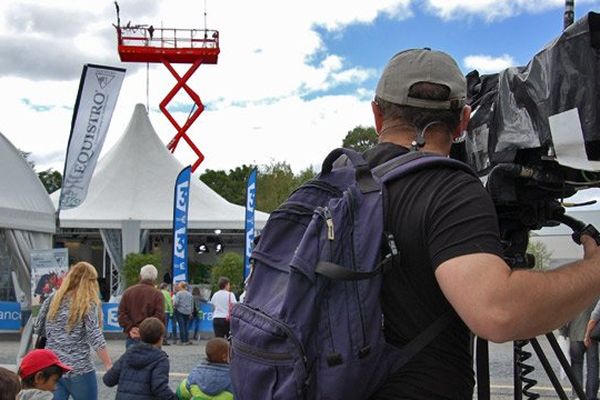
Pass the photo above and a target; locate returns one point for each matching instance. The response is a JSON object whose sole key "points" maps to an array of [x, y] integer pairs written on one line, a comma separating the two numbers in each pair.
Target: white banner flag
{"points": [[98, 92]]}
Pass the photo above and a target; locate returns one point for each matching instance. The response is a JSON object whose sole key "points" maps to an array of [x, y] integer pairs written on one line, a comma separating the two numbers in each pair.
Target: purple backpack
{"points": [[310, 326]]}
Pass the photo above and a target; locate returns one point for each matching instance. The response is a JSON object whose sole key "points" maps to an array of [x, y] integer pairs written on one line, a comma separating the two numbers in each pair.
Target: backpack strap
{"points": [[364, 177], [416, 161]]}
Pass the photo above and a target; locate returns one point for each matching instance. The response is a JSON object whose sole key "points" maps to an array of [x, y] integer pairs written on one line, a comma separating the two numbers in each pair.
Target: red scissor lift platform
{"points": [[170, 46]]}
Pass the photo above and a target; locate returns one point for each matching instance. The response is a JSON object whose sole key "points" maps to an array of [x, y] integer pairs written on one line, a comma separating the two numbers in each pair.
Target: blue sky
{"points": [[292, 78]]}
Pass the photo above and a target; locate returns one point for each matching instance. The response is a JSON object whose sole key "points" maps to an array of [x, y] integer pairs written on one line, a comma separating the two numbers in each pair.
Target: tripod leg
{"points": [[565, 365], [548, 368], [483, 369]]}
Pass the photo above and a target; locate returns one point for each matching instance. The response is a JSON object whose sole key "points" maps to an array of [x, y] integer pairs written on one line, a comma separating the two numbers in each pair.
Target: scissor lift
{"points": [[142, 43]]}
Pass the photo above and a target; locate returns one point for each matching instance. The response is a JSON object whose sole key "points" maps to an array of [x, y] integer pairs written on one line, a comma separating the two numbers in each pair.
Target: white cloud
{"points": [[488, 64], [492, 10], [267, 64]]}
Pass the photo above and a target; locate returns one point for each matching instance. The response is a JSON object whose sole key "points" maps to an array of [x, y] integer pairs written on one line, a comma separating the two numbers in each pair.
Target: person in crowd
{"points": [[183, 304], [139, 302], [164, 289], [9, 382], [143, 371], [40, 371], [450, 253], [575, 332], [197, 311], [222, 301], [209, 379], [73, 327]]}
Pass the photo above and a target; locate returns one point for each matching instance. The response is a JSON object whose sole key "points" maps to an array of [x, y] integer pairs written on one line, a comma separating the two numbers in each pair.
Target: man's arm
{"points": [[125, 321], [159, 307], [501, 304]]}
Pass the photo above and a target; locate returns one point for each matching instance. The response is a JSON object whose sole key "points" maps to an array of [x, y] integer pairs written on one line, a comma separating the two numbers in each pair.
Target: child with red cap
{"points": [[39, 371]]}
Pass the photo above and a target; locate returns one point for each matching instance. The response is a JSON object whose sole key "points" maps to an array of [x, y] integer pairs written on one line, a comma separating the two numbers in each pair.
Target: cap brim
{"points": [[64, 367]]}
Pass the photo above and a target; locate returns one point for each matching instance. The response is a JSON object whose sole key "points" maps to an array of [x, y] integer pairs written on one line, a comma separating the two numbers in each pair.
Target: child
{"points": [[209, 379], [40, 370], [9, 383], [143, 371]]}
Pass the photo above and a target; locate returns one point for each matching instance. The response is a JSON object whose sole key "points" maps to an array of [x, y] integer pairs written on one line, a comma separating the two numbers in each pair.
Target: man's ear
{"points": [[377, 116], [465, 117]]}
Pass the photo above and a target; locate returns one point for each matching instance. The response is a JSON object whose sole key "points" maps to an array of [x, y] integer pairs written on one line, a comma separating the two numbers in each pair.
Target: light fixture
{"points": [[202, 248]]}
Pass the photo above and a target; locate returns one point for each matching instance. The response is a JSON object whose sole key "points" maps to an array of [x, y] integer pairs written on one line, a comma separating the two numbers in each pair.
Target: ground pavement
{"points": [[184, 358]]}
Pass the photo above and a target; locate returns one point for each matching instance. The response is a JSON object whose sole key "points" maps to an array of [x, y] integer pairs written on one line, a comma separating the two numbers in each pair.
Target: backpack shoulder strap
{"points": [[414, 161]]}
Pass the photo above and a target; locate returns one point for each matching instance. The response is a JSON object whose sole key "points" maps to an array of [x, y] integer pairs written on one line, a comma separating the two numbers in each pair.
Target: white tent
{"points": [[26, 217], [132, 191]]}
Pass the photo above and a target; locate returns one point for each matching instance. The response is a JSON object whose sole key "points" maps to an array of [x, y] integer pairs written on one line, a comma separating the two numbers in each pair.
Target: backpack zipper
{"points": [[253, 351], [365, 349], [286, 329]]}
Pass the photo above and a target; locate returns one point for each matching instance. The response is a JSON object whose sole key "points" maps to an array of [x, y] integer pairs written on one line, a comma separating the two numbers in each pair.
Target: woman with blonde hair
{"points": [[73, 327]]}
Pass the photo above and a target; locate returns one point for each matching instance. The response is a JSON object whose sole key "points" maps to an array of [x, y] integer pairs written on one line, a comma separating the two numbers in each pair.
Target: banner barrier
{"points": [[10, 317], [98, 92]]}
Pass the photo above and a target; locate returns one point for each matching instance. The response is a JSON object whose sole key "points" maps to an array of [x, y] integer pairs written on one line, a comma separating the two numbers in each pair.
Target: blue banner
{"points": [[180, 220], [10, 316], [110, 319], [250, 207]]}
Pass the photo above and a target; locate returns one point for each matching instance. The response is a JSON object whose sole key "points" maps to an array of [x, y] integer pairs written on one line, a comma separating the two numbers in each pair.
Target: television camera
{"points": [[534, 139]]}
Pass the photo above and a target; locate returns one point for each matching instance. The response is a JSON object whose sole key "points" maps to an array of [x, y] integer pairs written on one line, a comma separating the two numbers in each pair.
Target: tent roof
{"points": [[135, 181], [24, 202]]}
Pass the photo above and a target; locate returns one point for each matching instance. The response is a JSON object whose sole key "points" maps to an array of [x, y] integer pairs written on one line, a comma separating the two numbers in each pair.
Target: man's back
{"points": [[139, 302], [434, 215]]}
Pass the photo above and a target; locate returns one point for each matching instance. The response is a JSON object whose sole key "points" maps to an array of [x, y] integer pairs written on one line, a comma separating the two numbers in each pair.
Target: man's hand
{"points": [[591, 250], [134, 333], [588, 330]]}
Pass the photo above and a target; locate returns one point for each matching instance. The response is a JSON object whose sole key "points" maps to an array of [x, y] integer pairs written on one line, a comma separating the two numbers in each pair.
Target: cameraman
{"points": [[446, 229]]}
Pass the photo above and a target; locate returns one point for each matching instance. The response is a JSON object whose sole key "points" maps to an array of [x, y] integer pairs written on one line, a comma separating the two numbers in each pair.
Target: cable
{"points": [[525, 369]]}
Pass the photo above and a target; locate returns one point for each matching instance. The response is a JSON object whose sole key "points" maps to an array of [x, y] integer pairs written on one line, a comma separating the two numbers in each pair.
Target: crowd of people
{"points": [[70, 321]]}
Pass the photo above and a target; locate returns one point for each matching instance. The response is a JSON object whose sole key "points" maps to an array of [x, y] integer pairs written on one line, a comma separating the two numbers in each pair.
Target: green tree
{"points": [[50, 178], [230, 185], [541, 253], [274, 183], [360, 138], [229, 265], [134, 261]]}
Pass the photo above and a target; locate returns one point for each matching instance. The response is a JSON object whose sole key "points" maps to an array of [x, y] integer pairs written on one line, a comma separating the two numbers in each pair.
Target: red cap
{"points": [[38, 360]]}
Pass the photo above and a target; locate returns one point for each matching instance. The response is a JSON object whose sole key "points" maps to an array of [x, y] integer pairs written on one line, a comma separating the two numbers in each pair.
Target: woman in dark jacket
{"points": [[143, 371]]}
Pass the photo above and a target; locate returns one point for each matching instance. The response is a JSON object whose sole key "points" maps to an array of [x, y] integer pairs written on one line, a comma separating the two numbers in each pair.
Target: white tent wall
{"points": [[27, 219], [132, 191]]}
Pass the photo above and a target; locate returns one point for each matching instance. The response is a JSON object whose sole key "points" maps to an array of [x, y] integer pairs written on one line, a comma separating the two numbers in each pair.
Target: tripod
{"points": [[524, 385]]}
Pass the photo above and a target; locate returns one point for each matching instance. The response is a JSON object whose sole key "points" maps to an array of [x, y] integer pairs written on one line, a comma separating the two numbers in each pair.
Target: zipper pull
{"points": [[329, 222]]}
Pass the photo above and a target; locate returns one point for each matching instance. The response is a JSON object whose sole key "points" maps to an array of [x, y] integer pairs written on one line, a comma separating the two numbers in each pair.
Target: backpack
{"points": [[310, 326]]}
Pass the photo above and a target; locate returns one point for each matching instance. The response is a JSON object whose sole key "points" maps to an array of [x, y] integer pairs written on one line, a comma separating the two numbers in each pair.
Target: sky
{"points": [[293, 77]]}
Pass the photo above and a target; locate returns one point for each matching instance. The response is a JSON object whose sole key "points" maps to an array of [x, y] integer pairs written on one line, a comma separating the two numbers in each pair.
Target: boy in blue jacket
{"points": [[143, 371], [209, 380]]}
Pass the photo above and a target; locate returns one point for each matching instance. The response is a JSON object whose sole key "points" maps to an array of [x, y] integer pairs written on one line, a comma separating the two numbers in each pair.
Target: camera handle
{"points": [[579, 228]]}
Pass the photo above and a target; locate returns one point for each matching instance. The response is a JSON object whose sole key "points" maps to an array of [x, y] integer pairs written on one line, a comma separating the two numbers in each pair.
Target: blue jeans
{"points": [[577, 351], [79, 387], [183, 321]]}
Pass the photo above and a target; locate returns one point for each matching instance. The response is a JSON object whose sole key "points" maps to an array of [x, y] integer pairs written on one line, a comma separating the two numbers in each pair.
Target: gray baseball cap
{"points": [[422, 65]]}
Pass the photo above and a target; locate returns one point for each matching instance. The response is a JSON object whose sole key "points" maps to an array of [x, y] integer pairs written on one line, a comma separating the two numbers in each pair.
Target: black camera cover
{"points": [[511, 109]]}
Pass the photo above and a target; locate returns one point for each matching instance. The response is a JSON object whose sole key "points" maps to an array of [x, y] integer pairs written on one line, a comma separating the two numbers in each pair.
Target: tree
{"points": [[50, 178], [134, 261], [360, 138], [229, 265], [274, 184], [541, 253], [230, 185]]}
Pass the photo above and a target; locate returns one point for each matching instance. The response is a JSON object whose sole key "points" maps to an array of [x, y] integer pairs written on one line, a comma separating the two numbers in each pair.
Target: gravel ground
{"points": [[184, 358]]}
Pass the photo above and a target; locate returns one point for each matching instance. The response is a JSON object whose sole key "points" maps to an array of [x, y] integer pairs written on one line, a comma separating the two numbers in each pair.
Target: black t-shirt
{"points": [[435, 215]]}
